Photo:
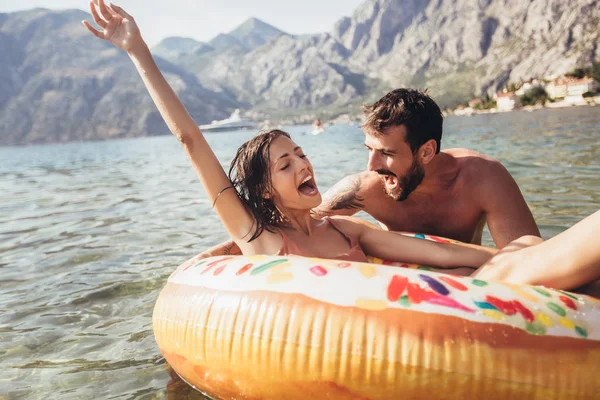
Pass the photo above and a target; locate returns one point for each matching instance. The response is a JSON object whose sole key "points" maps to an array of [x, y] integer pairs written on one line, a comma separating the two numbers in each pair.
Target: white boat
{"points": [[233, 123]]}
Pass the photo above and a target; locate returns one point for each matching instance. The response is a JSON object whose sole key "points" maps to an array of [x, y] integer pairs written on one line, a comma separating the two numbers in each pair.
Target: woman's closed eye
{"points": [[285, 166]]}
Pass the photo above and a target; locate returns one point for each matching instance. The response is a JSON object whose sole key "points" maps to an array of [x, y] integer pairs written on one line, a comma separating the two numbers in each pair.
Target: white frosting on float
{"points": [[367, 286]]}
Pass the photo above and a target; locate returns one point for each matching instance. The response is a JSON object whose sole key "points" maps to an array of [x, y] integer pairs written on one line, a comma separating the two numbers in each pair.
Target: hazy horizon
{"points": [[203, 20]]}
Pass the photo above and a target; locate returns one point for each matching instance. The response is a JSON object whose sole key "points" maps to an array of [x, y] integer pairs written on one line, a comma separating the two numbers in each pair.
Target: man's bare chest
{"points": [[453, 218]]}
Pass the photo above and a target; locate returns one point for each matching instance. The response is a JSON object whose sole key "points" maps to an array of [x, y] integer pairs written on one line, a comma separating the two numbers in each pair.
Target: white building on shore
{"points": [[571, 89], [507, 101], [580, 86]]}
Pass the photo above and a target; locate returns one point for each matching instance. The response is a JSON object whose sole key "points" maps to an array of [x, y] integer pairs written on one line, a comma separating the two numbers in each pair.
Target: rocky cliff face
{"points": [[456, 48], [285, 72], [464, 47], [265, 68], [59, 83]]}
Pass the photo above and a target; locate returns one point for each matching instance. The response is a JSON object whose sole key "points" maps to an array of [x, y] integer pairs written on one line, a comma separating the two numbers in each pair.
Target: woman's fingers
{"points": [[119, 11], [97, 19], [104, 10], [94, 31]]}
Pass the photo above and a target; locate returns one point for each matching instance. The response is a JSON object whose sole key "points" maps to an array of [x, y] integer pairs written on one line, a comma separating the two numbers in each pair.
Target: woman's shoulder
{"points": [[266, 243]]}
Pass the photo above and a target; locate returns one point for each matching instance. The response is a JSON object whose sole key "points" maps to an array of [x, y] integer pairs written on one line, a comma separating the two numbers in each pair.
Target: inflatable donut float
{"points": [[289, 327]]}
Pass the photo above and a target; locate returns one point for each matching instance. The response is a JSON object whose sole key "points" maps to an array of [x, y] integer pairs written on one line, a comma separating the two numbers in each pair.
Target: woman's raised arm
{"points": [[120, 28]]}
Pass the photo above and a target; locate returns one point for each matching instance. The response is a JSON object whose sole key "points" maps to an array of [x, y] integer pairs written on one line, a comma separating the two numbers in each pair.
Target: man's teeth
{"points": [[308, 178]]}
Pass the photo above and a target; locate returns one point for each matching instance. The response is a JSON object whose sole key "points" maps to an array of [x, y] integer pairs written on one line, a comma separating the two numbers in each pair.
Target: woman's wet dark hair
{"points": [[250, 174]]}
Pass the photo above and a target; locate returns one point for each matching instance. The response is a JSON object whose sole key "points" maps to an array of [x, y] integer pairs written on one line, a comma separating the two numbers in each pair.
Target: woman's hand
{"points": [[515, 263], [118, 27]]}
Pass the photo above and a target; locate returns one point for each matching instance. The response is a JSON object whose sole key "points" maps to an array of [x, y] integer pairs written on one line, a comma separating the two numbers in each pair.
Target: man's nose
{"points": [[373, 164]]}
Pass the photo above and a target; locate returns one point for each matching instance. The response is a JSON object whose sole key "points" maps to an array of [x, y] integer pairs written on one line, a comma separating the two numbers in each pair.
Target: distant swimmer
{"points": [[318, 127]]}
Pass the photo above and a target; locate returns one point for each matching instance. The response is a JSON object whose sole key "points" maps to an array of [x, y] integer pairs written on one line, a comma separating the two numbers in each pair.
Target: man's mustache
{"points": [[385, 172]]}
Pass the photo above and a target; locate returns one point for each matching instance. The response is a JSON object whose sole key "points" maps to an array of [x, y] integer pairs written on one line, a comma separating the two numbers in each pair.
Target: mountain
{"points": [[456, 48], [217, 63], [226, 42], [172, 48], [254, 33], [267, 69], [249, 35], [460, 48], [59, 83], [284, 73]]}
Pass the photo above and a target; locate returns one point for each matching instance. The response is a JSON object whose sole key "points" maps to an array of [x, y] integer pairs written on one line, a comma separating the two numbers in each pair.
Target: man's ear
{"points": [[427, 151]]}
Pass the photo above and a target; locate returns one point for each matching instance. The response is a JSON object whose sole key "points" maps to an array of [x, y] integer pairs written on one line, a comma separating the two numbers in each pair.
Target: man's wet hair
{"points": [[412, 108]]}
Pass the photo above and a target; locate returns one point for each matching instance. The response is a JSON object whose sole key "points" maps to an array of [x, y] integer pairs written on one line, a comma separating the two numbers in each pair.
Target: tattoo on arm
{"points": [[232, 249], [345, 196], [224, 249]]}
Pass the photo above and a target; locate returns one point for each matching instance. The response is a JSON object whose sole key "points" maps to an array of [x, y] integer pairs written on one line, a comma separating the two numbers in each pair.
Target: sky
{"points": [[204, 19]]}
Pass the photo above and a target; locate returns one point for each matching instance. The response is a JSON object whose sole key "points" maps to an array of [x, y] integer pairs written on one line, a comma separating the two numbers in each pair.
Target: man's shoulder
{"points": [[474, 165], [350, 195], [481, 176], [467, 155]]}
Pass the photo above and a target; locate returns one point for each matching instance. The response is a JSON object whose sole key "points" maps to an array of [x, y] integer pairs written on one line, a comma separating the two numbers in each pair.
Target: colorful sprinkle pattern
{"points": [[537, 310]]}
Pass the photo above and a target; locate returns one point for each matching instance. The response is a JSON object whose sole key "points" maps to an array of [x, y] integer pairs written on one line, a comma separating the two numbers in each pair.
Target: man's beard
{"points": [[408, 183]]}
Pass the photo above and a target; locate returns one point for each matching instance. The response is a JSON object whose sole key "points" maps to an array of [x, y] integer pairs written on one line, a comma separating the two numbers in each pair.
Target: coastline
{"points": [[584, 102]]}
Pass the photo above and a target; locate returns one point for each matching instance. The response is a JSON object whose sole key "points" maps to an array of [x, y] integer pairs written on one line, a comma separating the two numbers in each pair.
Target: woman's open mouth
{"points": [[308, 187]]}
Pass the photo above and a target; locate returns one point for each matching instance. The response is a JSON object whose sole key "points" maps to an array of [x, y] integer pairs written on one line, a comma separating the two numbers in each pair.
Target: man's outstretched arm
{"points": [[344, 198], [507, 214]]}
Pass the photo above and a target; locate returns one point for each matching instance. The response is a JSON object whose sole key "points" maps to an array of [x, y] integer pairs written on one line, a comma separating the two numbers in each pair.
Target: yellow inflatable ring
{"points": [[288, 327]]}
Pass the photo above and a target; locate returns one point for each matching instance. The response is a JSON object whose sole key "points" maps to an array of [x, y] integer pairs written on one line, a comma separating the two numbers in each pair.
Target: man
{"points": [[411, 185]]}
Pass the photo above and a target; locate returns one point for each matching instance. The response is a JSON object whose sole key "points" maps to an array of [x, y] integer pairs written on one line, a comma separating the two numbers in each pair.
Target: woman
{"points": [[265, 203]]}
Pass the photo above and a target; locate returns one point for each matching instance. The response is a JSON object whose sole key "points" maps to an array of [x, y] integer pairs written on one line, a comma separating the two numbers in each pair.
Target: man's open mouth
{"points": [[391, 181]]}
